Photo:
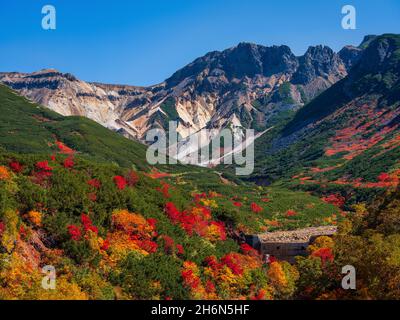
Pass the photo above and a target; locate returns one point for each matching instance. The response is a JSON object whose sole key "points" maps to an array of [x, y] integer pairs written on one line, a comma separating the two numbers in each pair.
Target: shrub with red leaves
{"points": [[43, 166], [152, 222], [172, 212], [230, 261], [384, 177], [106, 245], [69, 163], [291, 213], [335, 199], [237, 204], [95, 183], [212, 262], [16, 167], [164, 189], [2, 228], [246, 248], [132, 179], [325, 254], [180, 249], [169, 244], [75, 232], [255, 208], [87, 224], [120, 182], [148, 245]]}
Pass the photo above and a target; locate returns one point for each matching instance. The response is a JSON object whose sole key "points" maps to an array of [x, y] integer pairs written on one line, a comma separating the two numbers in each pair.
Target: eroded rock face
{"points": [[242, 86]]}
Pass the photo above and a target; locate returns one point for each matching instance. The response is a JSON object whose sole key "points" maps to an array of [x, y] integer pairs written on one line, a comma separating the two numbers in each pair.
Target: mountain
{"points": [[347, 137], [244, 86]]}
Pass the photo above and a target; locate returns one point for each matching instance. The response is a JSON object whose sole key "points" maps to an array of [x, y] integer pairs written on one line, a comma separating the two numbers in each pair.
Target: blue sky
{"points": [[144, 42]]}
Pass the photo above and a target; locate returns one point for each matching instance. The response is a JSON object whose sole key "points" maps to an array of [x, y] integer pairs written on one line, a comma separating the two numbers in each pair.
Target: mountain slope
{"points": [[347, 136], [26, 127]]}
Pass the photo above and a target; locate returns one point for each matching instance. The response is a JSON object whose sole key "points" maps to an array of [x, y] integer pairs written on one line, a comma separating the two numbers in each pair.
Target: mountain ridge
{"points": [[206, 93]]}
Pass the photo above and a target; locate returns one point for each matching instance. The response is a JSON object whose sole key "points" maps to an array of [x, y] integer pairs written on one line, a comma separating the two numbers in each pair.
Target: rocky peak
{"points": [[244, 60], [382, 53], [319, 61]]}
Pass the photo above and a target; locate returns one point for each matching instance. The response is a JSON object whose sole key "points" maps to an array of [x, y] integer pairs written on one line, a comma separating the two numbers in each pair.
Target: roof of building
{"points": [[299, 235]]}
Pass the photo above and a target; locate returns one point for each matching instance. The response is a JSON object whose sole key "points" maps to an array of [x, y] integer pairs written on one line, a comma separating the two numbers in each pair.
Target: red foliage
{"points": [[199, 196], [120, 182], [246, 248], [325, 254], [87, 224], [43, 166], [157, 175], [44, 172], [106, 245], [198, 220], [180, 249], [291, 213], [237, 204], [64, 149], [95, 183], [210, 287], [75, 232], [152, 222], [212, 262], [172, 212], [148, 245], [132, 179], [2, 228], [230, 260], [169, 244], [69, 163], [335, 199], [22, 232], [255, 208], [164, 189], [16, 167], [384, 177], [259, 296]]}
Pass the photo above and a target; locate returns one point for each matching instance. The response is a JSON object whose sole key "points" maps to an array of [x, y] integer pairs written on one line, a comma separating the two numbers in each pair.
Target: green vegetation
{"points": [[26, 127]]}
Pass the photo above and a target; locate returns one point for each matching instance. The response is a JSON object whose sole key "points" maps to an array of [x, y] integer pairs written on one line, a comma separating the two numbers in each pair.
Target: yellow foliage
{"points": [[10, 235], [321, 242], [35, 217], [131, 222], [209, 203], [20, 281], [277, 275]]}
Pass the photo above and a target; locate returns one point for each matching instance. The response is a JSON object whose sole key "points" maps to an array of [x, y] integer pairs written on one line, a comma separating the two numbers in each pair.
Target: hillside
{"points": [[114, 233], [347, 138], [26, 127]]}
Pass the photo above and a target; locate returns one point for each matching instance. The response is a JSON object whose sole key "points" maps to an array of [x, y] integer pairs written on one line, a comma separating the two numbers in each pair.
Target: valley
{"points": [[77, 193]]}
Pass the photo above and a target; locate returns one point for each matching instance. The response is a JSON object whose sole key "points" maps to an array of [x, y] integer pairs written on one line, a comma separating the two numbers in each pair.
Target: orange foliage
{"points": [[4, 173]]}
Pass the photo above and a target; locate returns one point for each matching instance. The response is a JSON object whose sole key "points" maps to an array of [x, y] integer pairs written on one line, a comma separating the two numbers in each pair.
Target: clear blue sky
{"points": [[144, 42]]}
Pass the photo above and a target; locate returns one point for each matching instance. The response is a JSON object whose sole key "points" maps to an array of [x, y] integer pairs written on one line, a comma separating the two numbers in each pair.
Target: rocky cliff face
{"points": [[243, 86]]}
